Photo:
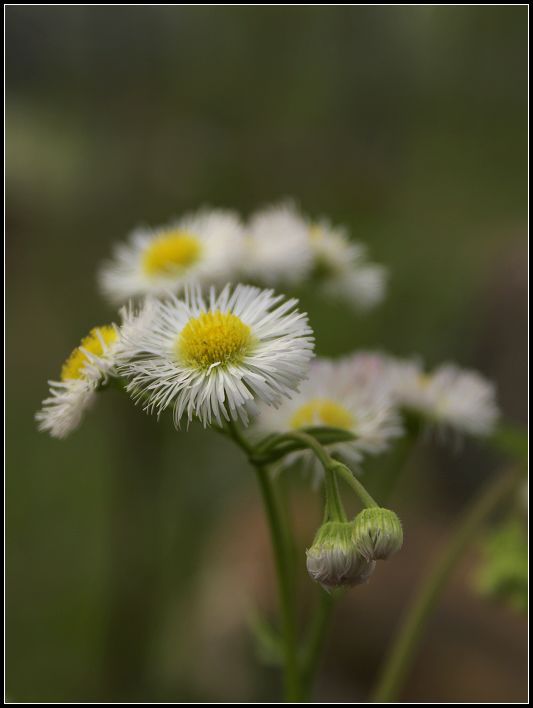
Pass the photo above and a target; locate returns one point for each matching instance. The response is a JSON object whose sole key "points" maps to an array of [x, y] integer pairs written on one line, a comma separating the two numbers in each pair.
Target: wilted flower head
{"points": [[377, 533], [87, 367], [333, 560], [205, 248], [214, 357]]}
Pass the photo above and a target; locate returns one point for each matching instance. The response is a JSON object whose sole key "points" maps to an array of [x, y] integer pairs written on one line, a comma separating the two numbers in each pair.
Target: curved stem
{"points": [[334, 466], [334, 510], [411, 629], [365, 498]]}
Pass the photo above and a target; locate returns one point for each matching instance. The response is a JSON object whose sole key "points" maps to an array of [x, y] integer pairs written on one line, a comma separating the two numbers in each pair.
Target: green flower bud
{"points": [[333, 559], [377, 533]]}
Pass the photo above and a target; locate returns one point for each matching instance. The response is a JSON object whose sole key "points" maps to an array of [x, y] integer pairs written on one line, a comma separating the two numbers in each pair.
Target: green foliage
{"points": [[503, 574]]}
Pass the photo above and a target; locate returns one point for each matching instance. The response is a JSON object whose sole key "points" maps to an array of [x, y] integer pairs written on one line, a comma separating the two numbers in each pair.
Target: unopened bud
{"points": [[333, 559], [377, 533]]}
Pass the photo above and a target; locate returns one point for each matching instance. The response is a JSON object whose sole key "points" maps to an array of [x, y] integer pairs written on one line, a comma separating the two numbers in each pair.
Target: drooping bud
{"points": [[333, 559], [377, 533]]}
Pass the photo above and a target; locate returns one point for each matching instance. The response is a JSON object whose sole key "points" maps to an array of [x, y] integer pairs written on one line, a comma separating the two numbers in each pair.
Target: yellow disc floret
{"points": [[423, 380], [95, 343], [322, 411], [171, 251], [316, 232], [213, 337]]}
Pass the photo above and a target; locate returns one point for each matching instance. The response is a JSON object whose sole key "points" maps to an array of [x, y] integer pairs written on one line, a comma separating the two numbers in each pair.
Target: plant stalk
{"points": [[410, 632]]}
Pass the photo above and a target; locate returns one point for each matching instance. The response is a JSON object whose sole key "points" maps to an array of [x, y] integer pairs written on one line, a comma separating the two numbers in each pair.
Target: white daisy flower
{"points": [[205, 247], [335, 395], [214, 357], [342, 267], [449, 396], [88, 366], [279, 251]]}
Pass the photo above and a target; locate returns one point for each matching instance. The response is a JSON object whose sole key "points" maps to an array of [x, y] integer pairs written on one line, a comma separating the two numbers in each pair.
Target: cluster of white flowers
{"points": [[366, 394], [212, 357], [276, 247], [206, 350]]}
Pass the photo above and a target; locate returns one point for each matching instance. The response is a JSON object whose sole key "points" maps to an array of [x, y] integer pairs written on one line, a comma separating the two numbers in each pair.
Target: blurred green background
{"points": [[135, 553]]}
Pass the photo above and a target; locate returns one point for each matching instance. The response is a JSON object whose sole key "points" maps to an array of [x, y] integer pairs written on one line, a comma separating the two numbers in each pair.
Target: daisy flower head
{"points": [[213, 357], [334, 396], [204, 247], [342, 268], [278, 248], [88, 366], [449, 397]]}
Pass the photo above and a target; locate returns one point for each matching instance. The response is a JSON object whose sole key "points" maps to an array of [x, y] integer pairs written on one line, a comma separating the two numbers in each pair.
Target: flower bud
{"points": [[333, 560], [377, 533]]}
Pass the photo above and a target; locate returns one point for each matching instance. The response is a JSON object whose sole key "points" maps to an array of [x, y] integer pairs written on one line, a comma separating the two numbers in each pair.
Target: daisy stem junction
{"points": [[299, 667], [334, 468]]}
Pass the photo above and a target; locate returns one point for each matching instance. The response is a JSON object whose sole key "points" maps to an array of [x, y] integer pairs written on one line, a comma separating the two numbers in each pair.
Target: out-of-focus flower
{"points": [[342, 269], [205, 248], [278, 247], [88, 366], [449, 396], [215, 357], [335, 395], [333, 560], [377, 533]]}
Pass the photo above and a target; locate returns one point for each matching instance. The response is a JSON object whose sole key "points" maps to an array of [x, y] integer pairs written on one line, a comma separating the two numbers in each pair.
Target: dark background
{"points": [[134, 553]]}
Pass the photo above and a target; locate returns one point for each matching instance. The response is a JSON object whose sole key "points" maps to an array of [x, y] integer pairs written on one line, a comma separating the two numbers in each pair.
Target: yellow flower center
{"points": [[73, 366], [171, 251], [213, 337], [424, 380], [322, 411], [315, 232]]}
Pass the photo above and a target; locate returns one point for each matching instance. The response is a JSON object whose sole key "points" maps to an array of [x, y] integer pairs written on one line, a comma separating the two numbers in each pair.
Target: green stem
{"points": [[316, 638], [287, 605], [334, 510], [411, 629], [282, 561], [365, 498], [334, 466], [388, 476]]}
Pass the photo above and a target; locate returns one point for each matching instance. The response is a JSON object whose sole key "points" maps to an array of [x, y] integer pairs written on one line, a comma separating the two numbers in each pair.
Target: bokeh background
{"points": [[135, 555]]}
